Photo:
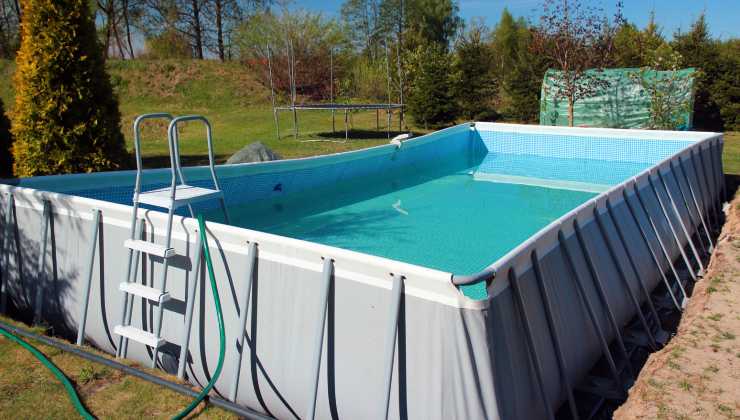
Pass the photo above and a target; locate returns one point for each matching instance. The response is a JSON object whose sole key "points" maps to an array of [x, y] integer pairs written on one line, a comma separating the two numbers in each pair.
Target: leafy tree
{"points": [[10, 19], [311, 37], [518, 70], [726, 88], [362, 18], [6, 141], [578, 39], [474, 86], [66, 116], [430, 99], [668, 108]]}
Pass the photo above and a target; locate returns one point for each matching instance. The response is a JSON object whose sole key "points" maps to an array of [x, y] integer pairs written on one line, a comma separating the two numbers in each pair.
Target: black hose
{"points": [[174, 386]]}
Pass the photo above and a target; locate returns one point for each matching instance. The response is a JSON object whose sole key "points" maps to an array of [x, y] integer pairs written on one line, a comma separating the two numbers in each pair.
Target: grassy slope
{"points": [[731, 155], [29, 390], [237, 106]]}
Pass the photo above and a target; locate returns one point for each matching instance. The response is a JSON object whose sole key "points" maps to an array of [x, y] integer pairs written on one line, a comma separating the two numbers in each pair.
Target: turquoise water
{"points": [[452, 223]]}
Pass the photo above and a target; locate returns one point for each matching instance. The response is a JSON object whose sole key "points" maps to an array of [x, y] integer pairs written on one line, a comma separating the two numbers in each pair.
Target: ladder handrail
{"points": [[137, 145], [175, 149]]}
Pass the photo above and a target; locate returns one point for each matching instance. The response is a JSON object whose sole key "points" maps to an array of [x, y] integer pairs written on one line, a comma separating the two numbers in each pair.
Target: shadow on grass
{"points": [[356, 134]]}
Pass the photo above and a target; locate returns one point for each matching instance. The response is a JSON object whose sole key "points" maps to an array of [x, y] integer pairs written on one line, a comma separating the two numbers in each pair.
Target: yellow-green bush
{"points": [[6, 161], [66, 116]]}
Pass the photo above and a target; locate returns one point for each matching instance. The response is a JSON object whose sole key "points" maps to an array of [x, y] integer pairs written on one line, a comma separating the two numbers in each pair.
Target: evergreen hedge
{"points": [[66, 117]]}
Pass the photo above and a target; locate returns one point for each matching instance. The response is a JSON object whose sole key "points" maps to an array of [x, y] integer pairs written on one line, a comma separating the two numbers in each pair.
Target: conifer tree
{"points": [[430, 100], [474, 83], [66, 116]]}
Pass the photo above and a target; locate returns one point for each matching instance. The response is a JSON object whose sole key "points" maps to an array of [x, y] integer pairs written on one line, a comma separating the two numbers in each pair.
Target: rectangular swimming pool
{"points": [[453, 215]]}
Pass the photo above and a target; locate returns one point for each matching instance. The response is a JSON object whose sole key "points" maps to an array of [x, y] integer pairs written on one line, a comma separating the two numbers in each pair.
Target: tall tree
{"points": [[474, 85], [363, 20], [66, 116], [699, 50], [579, 40], [10, 18], [430, 101]]}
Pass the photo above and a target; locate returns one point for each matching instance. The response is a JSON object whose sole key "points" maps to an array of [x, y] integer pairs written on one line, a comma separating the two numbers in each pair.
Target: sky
{"points": [[723, 16]]}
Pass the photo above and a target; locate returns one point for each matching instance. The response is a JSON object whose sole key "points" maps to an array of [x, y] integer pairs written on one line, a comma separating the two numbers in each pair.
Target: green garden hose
{"points": [[220, 317], [55, 370], [199, 398]]}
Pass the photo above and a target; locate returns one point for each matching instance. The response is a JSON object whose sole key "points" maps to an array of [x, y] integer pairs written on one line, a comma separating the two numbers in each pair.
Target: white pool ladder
{"points": [[177, 195]]}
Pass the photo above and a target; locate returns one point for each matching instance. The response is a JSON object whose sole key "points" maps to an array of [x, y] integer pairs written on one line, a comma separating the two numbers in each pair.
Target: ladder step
{"points": [[140, 336], [146, 292], [149, 248], [184, 195]]}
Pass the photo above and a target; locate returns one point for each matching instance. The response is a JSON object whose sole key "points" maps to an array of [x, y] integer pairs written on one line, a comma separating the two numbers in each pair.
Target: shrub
{"points": [[66, 117], [430, 99], [6, 141], [168, 44]]}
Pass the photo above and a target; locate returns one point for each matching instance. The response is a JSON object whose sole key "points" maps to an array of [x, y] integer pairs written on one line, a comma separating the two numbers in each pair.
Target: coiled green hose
{"points": [[199, 398], [219, 316], [55, 370]]}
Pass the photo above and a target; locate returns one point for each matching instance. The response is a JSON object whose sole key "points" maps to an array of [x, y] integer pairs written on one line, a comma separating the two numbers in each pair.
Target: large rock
{"points": [[254, 152]]}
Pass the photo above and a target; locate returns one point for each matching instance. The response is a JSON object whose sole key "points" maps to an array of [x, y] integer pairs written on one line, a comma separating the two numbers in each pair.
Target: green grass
{"points": [[29, 390], [731, 155]]}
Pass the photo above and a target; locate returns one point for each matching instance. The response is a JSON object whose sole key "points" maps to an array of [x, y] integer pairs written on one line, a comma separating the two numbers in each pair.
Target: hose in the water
{"points": [[55, 370], [219, 316]]}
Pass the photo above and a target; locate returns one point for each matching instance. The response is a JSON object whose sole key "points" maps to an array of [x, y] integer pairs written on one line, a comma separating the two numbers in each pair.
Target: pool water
{"points": [[455, 223]]}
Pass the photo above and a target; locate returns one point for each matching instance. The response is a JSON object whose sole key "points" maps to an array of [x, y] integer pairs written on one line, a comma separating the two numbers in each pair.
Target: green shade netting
{"points": [[622, 103]]}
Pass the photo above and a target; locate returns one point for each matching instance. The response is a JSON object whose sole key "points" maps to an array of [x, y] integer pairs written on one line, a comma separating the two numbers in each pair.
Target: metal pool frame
{"points": [[321, 332]]}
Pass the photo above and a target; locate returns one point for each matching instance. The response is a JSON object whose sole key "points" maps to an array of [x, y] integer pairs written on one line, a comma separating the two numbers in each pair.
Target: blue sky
{"points": [[723, 16]]}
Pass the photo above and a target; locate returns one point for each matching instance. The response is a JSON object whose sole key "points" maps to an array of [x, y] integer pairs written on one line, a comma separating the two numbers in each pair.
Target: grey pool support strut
{"points": [[661, 245], [696, 203], [5, 277], [190, 299], [42, 262], [88, 278], [694, 222], [685, 231], [244, 306], [633, 264], [326, 278], [553, 324], [664, 211], [390, 340], [598, 285], [583, 298], [623, 277], [532, 350]]}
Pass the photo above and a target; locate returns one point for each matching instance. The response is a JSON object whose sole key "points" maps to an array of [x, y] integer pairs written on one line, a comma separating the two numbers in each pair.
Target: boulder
{"points": [[253, 152]]}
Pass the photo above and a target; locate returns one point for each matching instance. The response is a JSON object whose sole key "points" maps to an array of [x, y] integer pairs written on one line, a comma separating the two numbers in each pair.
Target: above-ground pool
{"points": [[456, 215]]}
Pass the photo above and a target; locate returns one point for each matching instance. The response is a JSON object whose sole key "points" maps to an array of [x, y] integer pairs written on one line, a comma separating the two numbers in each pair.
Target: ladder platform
{"points": [[140, 336], [149, 248], [146, 292], [184, 195]]}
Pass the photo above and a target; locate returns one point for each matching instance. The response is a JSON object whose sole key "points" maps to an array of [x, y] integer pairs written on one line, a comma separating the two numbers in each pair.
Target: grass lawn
{"points": [[731, 154], [28, 390]]}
